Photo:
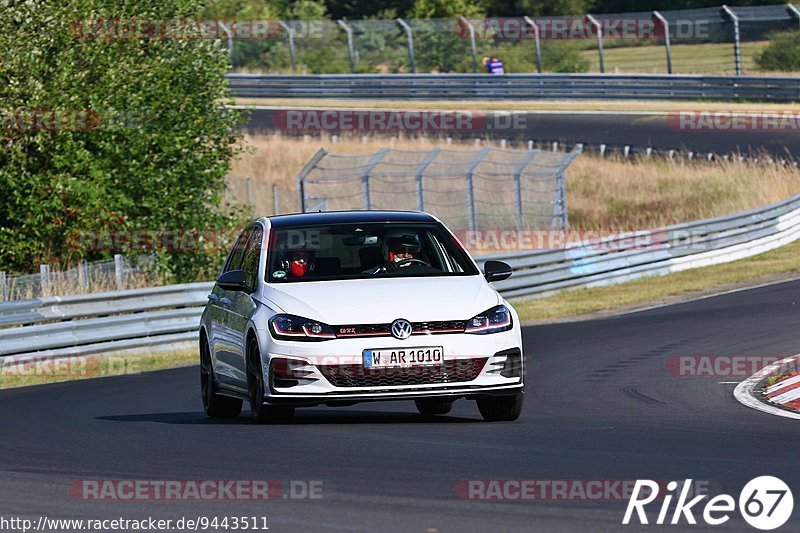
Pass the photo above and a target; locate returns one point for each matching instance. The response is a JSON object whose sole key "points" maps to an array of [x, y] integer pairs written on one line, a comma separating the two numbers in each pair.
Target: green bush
{"points": [[782, 52], [155, 156]]}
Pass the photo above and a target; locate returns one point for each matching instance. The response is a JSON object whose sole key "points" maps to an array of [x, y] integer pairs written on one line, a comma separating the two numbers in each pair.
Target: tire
{"points": [[501, 408], [262, 414], [433, 406], [215, 404]]}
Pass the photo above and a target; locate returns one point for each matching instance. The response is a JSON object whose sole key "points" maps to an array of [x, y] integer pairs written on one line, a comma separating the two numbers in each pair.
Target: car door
{"points": [[226, 340], [242, 306]]}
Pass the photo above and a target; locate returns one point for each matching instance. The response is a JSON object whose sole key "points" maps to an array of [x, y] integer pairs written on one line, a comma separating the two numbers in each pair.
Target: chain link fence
{"points": [[707, 40], [488, 188]]}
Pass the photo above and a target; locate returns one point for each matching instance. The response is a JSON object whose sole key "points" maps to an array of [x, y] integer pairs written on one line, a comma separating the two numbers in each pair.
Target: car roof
{"points": [[347, 217]]}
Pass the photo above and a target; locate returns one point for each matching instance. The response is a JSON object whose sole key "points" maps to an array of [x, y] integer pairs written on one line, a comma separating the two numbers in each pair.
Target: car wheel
{"points": [[501, 408], [262, 414], [432, 406], [215, 404]]}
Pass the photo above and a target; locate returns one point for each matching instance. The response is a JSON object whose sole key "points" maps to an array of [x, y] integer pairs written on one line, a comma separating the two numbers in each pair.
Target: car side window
{"points": [[234, 261], [251, 257]]}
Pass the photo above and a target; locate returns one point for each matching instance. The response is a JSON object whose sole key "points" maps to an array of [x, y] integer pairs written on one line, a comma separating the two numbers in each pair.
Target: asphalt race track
{"points": [[640, 130], [600, 405]]}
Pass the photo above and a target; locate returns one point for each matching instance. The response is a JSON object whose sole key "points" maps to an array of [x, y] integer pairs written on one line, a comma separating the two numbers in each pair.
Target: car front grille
{"points": [[452, 371], [385, 330]]}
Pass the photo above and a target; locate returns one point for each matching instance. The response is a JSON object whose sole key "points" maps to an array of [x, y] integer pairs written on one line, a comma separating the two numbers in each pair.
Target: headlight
{"points": [[297, 328], [493, 320]]}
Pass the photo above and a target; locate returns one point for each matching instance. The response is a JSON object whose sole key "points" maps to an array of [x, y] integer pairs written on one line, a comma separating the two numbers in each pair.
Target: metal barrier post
{"points": [[599, 28], [667, 46], [3, 291], [737, 46], [365, 176], [518, 214], [290, 32], [305, 172], [418, 176], [351, 50], [230, 40], [471, 42], [537, 41], [793, 11], [410, 39], [473, 223]]}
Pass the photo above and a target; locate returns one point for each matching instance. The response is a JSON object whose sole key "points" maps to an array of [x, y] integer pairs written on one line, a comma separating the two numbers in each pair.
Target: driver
{"points": [[401, 251]]}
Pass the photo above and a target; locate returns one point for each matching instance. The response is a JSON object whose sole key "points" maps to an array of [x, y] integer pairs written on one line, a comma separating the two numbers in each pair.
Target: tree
{"points": [[152, 155]]}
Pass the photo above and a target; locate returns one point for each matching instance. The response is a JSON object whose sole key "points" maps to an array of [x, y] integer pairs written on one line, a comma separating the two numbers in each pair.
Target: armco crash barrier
{"points": [[102, 323]]}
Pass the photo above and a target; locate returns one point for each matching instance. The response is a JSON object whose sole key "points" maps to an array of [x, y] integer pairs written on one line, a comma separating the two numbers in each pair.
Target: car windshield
{"points": [[359, 251]]}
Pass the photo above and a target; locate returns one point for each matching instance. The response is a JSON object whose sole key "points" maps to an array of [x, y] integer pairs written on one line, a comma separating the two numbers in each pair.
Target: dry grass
{"points": [[62, 285], [602, 193]]}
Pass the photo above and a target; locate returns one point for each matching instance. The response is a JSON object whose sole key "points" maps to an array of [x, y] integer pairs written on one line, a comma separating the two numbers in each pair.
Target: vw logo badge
{"points": [[401, 329]]}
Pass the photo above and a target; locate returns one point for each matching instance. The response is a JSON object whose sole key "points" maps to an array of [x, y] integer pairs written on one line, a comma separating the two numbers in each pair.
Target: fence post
{"points": [[119, 271], [419, 174], [471, 29], [83, 274], [351, 50], [290, 35], [667, 44], [537, 41], [518, 213], [249, 184], [290, 32], [410, 38], [3, 291], [793, 11], [275, 202], [599, 28], [380, 154], [304, 173], [560, 214], [473, 222], [737, 45], [230, 40], [44, 279]]}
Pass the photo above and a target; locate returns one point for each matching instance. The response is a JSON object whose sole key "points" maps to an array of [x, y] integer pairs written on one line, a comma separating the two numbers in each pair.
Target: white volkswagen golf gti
{"points": [[338, 308]]}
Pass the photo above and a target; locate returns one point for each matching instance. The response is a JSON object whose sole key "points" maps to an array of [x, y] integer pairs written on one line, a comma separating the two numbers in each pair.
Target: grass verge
{"points": [[22, 372], [781, 263]]}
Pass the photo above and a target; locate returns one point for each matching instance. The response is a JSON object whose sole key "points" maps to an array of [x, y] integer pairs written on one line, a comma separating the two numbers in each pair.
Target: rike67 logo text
{"points": [[765, 503]]}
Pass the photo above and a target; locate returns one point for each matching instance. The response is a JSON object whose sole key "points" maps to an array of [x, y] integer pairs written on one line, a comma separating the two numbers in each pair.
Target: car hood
{"points": [[377, 301]]}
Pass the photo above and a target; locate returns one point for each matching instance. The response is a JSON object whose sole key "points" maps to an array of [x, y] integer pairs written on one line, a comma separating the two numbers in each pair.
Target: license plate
{"points": [[403, 357]]}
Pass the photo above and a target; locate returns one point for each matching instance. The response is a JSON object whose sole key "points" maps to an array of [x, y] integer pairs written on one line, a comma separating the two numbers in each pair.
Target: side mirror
{"points": [[496, 271], [234, 280]]}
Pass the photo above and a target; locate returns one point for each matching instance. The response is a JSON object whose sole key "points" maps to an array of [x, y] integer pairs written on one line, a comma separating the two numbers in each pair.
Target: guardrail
{"points": [[517, 87], [650, 253], [101, 323]]}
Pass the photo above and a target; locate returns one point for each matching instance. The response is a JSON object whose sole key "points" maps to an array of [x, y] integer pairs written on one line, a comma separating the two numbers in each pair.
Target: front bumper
{"points": [[474, 366]]}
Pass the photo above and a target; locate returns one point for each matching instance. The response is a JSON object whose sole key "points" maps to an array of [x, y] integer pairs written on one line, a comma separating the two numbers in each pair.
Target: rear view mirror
{"points": [[496, 270]]}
